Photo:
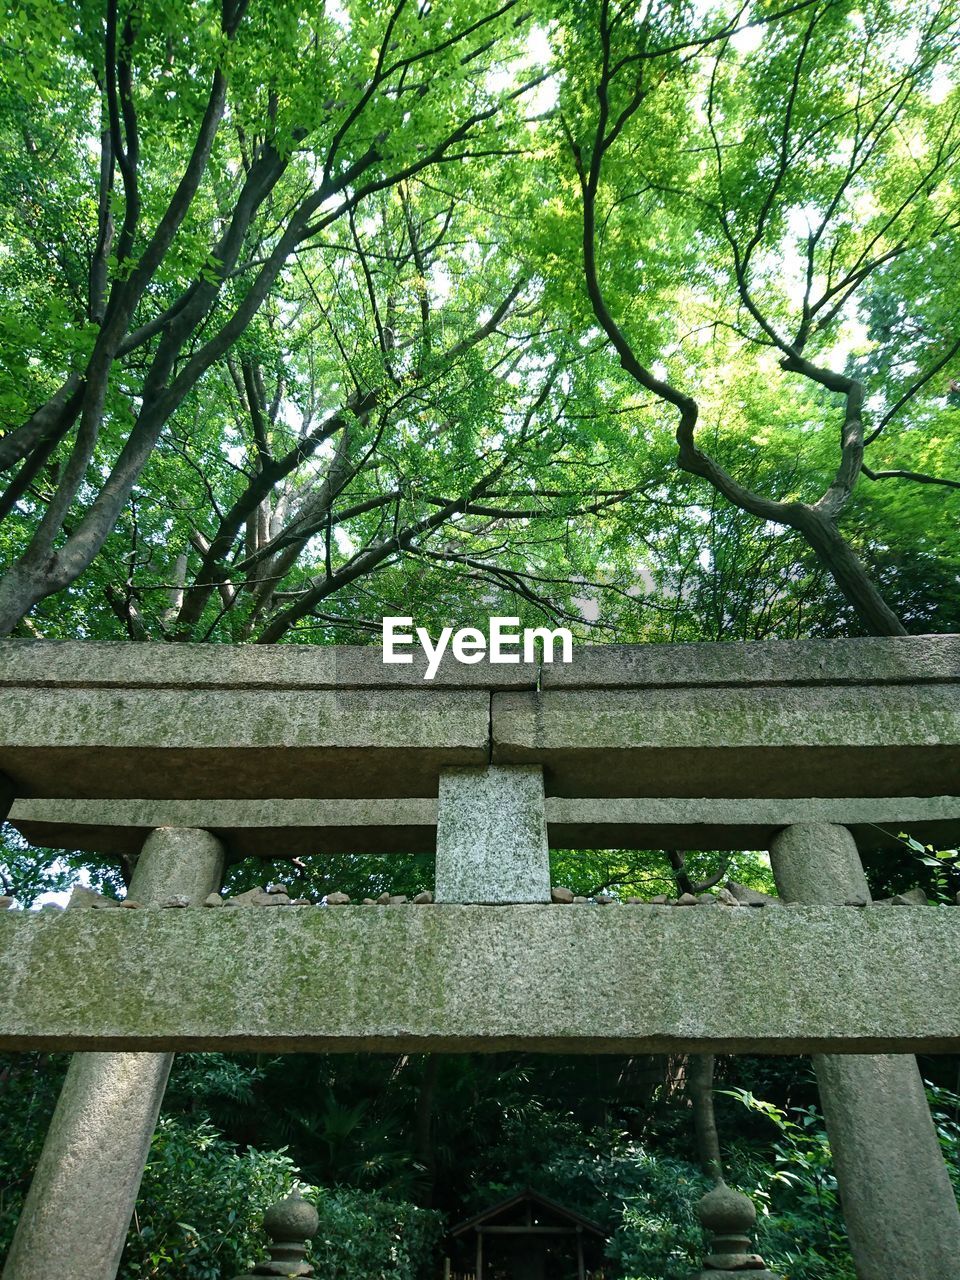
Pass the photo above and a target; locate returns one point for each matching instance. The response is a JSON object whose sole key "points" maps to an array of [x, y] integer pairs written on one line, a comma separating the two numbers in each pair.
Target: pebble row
{"points": [[739, 895], [276, 895], [271, 895]]}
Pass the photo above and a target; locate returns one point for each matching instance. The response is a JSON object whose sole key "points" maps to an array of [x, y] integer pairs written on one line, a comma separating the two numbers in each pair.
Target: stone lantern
{"points": [[728, 1217], [289, 1223]]}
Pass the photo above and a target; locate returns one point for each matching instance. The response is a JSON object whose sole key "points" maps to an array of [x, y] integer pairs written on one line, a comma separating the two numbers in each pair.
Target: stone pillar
{"points": [[492, 835], [898, 1203], [78, 1209]]}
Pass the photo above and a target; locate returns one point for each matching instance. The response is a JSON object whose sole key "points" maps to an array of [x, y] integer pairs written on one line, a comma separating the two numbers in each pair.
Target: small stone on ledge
{"points": [[84, 897], [249, 897], [752, 897]]}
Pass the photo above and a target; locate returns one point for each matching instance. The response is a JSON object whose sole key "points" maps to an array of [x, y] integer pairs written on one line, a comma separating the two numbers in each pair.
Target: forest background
{"points": [[638, 318]]}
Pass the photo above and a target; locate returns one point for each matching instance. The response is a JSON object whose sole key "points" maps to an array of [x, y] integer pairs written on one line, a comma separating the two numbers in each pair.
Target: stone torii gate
{"points": [[199, 754]]}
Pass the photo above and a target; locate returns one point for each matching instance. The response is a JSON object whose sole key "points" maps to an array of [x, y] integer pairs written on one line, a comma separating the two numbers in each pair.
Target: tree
{"points": [[794, 177], [210, 180]]}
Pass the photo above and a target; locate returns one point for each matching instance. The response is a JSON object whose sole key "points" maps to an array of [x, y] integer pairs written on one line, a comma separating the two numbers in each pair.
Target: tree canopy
{"points": [[591, 310]]}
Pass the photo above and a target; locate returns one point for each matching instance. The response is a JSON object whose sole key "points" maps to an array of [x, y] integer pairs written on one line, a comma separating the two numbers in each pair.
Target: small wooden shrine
{"points": [[526, 1237]]}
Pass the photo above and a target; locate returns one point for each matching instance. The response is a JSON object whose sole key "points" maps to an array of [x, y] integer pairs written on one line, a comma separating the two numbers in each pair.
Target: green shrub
{"points": [[201, 1207], [201, 1204], [365, 1237], [800, 1229], [659, 1237]]}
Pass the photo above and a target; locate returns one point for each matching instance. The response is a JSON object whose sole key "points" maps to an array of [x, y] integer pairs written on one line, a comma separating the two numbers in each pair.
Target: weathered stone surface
{"points": [[817, 863], [908, 659], [890, 1169], [85, 664], [898, 1203], [899, 660], [454, 978], [559, 894], [237, 743], [911, 898], [748, 897], [492, 836], [338, 899], [227, 722], [177, 861], [249, 828], [258, 897], [81, 896], [289, 1224], [75, 1218], [735, 741], [682, 822], [424, 898], [77, 1211], [213, 900], [6, 903], [272, 828], [729, 1216]]}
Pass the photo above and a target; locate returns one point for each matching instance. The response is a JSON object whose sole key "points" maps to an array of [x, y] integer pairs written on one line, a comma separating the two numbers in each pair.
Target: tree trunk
{"points": [[849, 573], [700, 1091], [424, 1151], [19, 592]]}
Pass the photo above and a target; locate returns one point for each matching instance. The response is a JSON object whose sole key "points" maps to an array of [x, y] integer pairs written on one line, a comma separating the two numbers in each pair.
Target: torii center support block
{"points": [[492, 836]]}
